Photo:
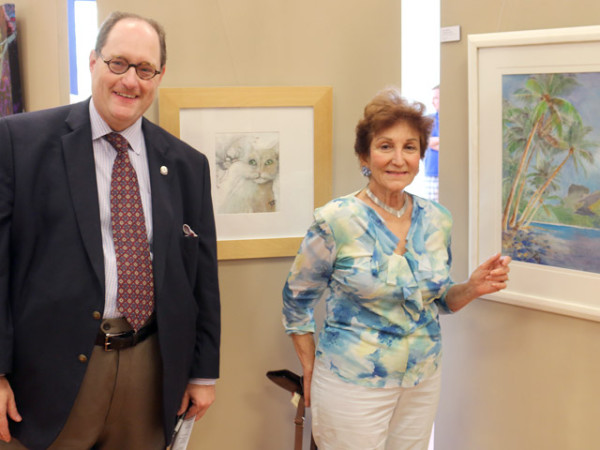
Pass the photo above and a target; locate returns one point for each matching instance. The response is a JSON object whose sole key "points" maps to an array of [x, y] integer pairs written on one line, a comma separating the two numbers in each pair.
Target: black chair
{"points": [[293, 383]]}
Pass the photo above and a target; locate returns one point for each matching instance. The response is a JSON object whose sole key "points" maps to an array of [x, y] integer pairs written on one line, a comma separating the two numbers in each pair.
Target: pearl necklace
{"points": [[395, 212]]}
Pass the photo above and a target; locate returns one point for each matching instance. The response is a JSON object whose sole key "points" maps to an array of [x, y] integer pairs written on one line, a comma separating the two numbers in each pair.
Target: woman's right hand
{"points": [[304, 344], [307, 374]]}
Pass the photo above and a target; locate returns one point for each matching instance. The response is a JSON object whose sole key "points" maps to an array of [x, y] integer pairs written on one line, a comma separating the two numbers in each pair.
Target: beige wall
{"points": [[513, 378]]}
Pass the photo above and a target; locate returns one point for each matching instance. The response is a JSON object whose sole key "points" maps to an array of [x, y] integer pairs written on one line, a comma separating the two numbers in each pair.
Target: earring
{"points": [[365, 171]]}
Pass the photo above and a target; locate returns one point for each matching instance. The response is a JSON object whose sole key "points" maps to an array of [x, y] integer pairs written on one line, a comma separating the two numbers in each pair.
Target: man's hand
{"points": [[201, 397], [8, 408]]}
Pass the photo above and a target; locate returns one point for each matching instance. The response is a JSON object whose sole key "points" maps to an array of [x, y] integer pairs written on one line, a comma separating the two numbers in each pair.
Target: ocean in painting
{"points": [[555, 245]]}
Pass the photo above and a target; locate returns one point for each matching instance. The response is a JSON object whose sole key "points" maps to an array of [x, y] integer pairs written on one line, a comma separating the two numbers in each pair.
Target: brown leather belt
{"points": [[120, 341]]}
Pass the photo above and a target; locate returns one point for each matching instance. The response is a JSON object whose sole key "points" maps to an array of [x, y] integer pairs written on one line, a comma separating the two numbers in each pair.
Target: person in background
{"points": [[431, 160], [109, 299], [381, 259]]}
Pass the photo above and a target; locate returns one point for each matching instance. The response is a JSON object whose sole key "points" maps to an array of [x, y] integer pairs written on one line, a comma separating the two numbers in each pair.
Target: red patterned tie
{"points": [[135, 294]]}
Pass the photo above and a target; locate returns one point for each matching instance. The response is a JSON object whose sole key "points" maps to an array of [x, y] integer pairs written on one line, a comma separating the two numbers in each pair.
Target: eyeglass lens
{"points": [[144, 70]]}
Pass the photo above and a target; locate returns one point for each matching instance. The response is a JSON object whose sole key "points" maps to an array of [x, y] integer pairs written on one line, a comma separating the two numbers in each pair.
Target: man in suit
{"points": [[90, 356]]}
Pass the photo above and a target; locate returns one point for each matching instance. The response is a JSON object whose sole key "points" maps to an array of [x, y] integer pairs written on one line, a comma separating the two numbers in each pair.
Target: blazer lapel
{"points": [[81, 174], [161, 175]]}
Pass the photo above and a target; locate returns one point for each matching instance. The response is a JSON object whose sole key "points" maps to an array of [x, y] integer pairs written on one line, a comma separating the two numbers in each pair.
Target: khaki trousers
{"points": [[119, 404]]}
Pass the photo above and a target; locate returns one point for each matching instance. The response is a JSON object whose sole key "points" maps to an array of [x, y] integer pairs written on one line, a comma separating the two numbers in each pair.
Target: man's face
{"points": [[122, 99], [435, 100]]}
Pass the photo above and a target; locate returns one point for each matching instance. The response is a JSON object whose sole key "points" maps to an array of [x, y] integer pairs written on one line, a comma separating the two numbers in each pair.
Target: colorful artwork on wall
{"points": [[551, 172], [534, 164], [11, 100]]}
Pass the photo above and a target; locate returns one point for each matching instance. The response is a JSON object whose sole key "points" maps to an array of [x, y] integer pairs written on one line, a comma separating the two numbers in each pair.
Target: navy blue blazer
{"points": [[52, 265]]}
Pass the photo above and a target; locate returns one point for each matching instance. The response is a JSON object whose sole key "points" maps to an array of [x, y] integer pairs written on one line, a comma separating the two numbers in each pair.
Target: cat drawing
{"points": [[248, 175]]}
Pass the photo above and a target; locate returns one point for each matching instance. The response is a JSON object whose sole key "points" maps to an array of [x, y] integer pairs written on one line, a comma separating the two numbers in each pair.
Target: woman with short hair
{"points": [[381, 259]]}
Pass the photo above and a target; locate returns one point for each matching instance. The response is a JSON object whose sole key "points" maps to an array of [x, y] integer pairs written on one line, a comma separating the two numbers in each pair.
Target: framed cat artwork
{"points": [[269, 150]]}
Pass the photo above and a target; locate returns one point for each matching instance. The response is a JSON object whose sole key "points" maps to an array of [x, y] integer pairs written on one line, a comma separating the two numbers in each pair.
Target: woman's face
{"points": [[394, 158]]}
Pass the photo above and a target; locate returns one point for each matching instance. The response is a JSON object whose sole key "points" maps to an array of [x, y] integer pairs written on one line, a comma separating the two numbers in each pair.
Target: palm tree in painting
{"points": [[577, 148], [539, 175], [546, 150], [544, 113], [517, 125], [517, 135]]}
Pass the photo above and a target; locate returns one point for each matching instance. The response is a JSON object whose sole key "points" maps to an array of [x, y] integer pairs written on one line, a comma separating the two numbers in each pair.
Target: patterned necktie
{"points": [[135, 294]]}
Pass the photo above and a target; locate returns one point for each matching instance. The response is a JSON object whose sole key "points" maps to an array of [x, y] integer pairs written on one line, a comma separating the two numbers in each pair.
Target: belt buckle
{"points": [[107, 342]]}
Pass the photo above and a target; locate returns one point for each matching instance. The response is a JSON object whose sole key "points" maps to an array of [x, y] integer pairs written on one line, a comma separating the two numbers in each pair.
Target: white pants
{"points": [[346, 416]]}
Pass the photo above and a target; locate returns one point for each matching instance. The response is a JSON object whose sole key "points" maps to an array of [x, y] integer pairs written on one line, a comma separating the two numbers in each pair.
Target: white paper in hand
{"points": [[183, 431]]}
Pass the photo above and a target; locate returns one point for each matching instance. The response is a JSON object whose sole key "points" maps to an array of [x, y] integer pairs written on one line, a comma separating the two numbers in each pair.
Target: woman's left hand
{"points": [[491, 276]]}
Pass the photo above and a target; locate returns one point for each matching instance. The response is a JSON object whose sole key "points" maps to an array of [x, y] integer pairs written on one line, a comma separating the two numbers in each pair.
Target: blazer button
{"points": [[82, 358], [97, 315]]}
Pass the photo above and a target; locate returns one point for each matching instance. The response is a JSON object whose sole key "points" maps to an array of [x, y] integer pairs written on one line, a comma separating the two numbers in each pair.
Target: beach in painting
{"points": [[551, 169], [558, 246]]}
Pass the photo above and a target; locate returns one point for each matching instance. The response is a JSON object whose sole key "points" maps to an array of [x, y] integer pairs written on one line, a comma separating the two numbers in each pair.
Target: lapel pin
{"points": [[164, 170]]}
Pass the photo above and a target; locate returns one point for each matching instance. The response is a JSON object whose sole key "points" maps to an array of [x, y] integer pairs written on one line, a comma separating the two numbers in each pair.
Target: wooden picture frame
{"points": [[298, 118]]}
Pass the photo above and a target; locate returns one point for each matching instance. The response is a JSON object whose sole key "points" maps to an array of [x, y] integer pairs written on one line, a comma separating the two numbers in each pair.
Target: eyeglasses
{"points": [[119, 66]]}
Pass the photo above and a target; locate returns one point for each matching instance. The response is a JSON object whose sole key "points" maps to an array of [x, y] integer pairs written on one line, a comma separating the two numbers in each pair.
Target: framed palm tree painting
{"points": [[534, 117]]}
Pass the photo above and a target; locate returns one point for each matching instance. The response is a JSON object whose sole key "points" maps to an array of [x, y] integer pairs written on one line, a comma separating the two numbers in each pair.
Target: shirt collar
{"points": [[100, 128]]}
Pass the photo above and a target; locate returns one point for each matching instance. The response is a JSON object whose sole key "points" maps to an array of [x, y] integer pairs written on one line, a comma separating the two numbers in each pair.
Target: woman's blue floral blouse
{"points": [[381, 327]]}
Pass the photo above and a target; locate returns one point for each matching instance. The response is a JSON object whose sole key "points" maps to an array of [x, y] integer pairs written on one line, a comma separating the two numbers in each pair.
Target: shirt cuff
{"points": [[203, 381]]}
